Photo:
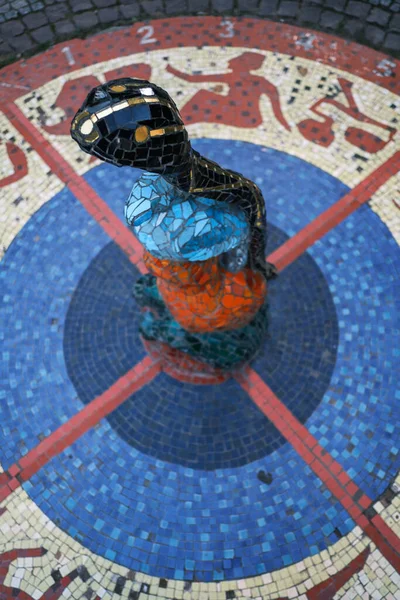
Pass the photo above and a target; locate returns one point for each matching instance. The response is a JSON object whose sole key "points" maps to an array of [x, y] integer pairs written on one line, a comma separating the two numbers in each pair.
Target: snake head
{"points": [[135, 123]]}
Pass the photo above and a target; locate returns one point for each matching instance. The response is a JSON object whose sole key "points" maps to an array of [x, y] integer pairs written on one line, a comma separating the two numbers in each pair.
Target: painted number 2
{"points": [[147, 31], [229, 31]]}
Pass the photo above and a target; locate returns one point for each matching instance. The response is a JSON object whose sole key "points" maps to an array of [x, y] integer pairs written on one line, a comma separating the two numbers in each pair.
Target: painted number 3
{"points": [[228, 29], [147, 31]]}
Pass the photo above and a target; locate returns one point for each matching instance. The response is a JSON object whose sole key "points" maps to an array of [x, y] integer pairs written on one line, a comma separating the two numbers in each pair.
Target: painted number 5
{"points": [[147, 31], [229, 31]]}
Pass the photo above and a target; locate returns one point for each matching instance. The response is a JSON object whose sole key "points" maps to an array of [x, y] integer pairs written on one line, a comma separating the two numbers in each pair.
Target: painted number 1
{"points": [[68, 55], [147, 31]]}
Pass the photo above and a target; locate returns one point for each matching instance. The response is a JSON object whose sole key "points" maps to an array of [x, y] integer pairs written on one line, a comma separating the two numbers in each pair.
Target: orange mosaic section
{"points": [[203, 297]]}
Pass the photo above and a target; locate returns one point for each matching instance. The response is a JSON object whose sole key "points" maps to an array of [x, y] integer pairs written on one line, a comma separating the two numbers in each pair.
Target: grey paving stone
{"points": [[11, 14], [56, 12], [5, 49], [66, 27], [35, 20], [25, 10], [108, 15], [379, 16], [86, 20], [129, 10], [202, 6], [374, 35], [22, 43], [288, 8], [248, 6], [310, 14], [11, 28], [353, 27], [17, 4], [385, 2], [4, 9], [336, 4], [395, 23], [152, 7], [395, 7], [175, 7], [43, 35], [222, 5], [37, 6], [330, 19], [392, 42], [103, 3], [267, 7], [2, 19], [81, 5], [358, 9]]}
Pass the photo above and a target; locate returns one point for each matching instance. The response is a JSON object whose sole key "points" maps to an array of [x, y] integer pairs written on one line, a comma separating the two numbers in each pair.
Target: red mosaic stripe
{"points": [[77, 425], [92, 202], [28, 74], [335, 214], [330, 472]]}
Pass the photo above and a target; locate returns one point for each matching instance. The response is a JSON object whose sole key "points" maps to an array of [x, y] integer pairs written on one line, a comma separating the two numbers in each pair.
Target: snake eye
{"points": [[142, 134], [117, 88], [86, 127]]}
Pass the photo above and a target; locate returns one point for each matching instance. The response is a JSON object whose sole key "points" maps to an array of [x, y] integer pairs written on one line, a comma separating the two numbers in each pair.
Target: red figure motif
{"points": [[326, 590], [19, 162], [53, 593], [241, 106], [321, 132], [75, 90]]}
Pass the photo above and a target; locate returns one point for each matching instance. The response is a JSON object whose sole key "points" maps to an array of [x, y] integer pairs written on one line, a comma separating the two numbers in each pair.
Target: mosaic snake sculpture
{"points": [[202, 226]]}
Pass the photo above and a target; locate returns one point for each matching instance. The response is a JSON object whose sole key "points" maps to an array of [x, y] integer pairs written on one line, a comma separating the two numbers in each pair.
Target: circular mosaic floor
{"points": [[119, 481]]}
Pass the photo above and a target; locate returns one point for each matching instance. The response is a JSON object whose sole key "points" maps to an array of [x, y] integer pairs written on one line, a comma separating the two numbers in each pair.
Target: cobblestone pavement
{"points": [[27, 26]]}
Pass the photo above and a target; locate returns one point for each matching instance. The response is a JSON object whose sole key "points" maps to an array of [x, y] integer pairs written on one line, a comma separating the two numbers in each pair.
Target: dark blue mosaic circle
{"points": [[203, 427]]}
